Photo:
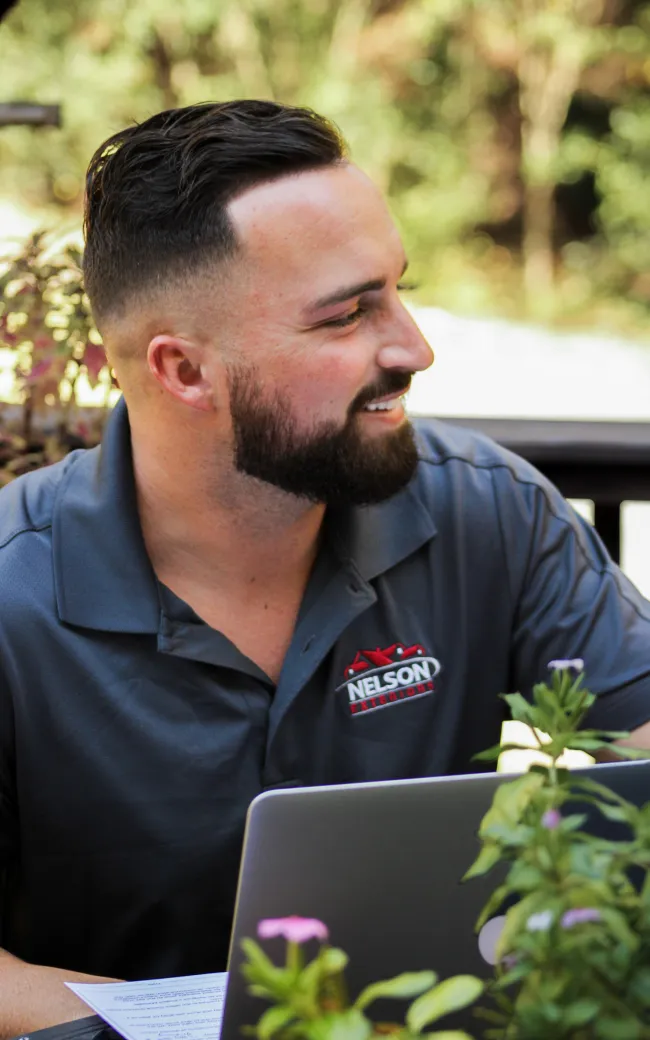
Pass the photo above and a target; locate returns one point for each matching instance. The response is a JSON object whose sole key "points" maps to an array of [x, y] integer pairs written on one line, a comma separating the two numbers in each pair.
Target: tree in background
{"points": [[457, 108], [623, 177], [552, 41], [398, 77]]}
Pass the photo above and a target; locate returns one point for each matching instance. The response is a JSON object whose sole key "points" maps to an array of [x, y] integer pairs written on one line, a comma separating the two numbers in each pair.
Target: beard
{"points": [[331, 464]]}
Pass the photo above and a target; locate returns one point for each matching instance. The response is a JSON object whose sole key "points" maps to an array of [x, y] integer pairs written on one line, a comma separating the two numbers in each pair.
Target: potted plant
{"points": [[573, 955], [310, 1000], [45, 321]]}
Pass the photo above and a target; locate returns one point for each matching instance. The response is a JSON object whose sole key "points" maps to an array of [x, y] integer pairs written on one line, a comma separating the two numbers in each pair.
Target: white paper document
{"points": [[186, 1008]]}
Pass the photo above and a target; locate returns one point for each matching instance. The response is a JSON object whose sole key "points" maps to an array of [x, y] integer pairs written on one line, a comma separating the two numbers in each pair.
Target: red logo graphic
{"points": [[387, 675]]}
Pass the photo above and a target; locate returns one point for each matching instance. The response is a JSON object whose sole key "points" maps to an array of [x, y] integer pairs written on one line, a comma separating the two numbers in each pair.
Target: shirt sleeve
{"points": [[8, 816], [572, 601], [8, 813]]}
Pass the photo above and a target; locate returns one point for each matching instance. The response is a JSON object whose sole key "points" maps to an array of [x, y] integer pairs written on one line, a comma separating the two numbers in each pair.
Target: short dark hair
{"points": [[157, 192]]}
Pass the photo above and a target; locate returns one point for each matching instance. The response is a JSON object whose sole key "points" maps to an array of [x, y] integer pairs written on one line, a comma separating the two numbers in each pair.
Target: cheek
{"points": [[326, 384]]}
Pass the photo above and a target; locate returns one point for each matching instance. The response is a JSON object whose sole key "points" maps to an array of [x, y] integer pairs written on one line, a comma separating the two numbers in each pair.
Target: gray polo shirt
{"points": [[133, 736]]}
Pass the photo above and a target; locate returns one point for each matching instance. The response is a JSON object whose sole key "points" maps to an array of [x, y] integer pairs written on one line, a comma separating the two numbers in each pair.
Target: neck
{"points": [[204, 522]]}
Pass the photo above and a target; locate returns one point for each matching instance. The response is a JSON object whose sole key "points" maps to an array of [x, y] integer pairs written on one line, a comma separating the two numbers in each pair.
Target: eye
{"points": [[360, 310], [348, 319]]}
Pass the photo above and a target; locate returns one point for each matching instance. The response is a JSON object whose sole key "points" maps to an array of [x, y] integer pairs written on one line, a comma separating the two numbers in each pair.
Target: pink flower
{"points": [[576, 664], [580, 915], [293, 929], [551, 819]]}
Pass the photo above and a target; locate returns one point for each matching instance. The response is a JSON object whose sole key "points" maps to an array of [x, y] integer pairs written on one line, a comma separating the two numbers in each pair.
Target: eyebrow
{"points": [[349, 292]]}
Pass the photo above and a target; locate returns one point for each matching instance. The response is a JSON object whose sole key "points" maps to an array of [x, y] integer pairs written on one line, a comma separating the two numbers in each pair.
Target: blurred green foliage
{"points": [[462, 110]]}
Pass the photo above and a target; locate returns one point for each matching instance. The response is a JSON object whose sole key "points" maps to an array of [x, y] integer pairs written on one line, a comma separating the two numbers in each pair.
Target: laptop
{"points": [[380, 864]]}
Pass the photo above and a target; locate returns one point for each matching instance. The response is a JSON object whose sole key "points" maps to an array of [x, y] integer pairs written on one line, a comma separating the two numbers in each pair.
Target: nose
{"points": [[404, 345]]}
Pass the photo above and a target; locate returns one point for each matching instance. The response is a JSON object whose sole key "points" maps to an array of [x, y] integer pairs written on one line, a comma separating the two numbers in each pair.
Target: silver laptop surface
{"points": [[380, 864]]}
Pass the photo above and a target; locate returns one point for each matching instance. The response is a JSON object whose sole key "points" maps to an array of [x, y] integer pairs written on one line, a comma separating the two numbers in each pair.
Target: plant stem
{"points": [[294, 958]]}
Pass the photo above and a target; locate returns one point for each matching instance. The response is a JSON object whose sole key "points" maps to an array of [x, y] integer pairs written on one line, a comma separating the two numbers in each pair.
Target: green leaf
{"points": [[510, 800], [261, 991], [546, 710], [629, 752], [619, 927], [515, 974], [332, 960], [640, 986], [451, 995], [348, 1025], [620, 1028], [407, 985], [494, 903], [258, 967], [520, 709], [619, 813], [578, 742], [593, 787], [449, 1034], [490, 1015], [509, 833], [487, 858], [493, 753], [573, 822], [524, 877], [543, 770], [490, 755], [517, 918], [580, 1012], [547, 698], [608, 734], [259, 971], [273, 1020]]}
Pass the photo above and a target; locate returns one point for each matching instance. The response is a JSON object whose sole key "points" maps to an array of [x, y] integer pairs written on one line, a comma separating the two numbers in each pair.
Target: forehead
{"points": [[321, 225]]}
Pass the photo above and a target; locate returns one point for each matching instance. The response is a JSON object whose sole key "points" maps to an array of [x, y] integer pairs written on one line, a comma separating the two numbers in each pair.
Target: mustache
{"points": [[390, 383]]}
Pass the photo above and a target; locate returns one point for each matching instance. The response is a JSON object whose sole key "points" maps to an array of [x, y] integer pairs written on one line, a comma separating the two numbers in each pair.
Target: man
{"points": [[263, 578]]}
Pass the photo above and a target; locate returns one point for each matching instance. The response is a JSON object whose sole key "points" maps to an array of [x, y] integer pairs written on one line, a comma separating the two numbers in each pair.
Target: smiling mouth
{"points": [[383, 406], [386, 404]]}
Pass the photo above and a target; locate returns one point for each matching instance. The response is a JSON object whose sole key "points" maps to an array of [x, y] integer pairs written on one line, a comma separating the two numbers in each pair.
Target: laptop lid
{"points": [[380, 864]]}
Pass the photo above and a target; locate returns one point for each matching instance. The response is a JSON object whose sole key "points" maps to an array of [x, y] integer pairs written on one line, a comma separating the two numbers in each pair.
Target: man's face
{"points": [[320, 348]]}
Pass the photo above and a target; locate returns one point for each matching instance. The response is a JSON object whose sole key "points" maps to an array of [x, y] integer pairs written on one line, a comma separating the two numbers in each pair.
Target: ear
{"points": [[179, 367]]}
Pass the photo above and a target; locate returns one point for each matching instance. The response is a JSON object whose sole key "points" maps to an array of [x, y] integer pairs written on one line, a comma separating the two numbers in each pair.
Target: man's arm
{"points": [[570, 601], [34, 997], [639, 738]]}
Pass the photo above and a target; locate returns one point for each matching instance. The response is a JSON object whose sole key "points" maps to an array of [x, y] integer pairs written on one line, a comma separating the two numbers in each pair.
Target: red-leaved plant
{"points": [[45, 320]]}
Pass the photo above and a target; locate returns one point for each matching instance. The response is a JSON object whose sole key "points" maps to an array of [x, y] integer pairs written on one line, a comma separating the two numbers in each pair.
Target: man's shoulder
{"points": [[27, 504], [441, 444]]}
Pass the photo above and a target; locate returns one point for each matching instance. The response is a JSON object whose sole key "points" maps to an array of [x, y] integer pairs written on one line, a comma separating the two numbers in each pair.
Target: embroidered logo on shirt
{"points": [[384, 676]]}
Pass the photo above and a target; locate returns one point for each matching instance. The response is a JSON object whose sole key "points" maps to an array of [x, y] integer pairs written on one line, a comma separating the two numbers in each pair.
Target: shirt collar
{"points": [[376, 538], [103, 576], [102, 573]]}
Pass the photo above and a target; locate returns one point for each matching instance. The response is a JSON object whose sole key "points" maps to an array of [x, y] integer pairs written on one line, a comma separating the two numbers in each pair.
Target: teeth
{"points": [[382, 406]]}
